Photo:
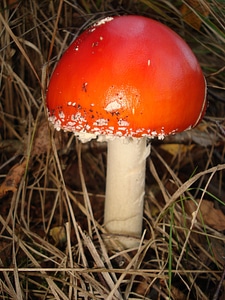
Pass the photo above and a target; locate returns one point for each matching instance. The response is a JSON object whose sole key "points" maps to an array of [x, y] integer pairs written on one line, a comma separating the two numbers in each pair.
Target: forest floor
{"points": [[52, 187]]}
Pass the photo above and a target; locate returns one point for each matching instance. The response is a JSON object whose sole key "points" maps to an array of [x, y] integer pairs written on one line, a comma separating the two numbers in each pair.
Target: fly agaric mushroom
{"points": [[125, 80]]}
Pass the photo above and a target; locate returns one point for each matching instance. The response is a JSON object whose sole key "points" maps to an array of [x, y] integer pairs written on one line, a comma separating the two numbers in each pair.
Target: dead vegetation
{"points": [[52, 243]]}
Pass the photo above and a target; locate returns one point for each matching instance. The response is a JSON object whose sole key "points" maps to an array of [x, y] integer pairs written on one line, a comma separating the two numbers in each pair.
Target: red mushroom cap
{"points": [[127, 76]]}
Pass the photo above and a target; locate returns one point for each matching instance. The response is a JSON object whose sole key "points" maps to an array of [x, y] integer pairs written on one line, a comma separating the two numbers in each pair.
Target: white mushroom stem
{"points": [[125, 188]]}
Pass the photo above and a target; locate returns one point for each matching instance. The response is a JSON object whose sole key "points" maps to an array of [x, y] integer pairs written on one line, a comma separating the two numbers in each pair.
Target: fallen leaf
{"points": [[174, 149], [192, 17], [42, 139], [13, 179], [58, 234], [11, 4], [41, 142], [208, 214]]}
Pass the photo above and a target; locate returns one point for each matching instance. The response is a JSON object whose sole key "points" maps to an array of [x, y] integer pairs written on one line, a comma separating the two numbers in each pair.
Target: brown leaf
{"points": [[192, 18], [42, 139], [210, 216], [11, 4], [13, 179]]}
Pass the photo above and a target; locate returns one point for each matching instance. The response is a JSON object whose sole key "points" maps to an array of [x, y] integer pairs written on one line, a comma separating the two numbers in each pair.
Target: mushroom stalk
{"points": [[125, 189]]}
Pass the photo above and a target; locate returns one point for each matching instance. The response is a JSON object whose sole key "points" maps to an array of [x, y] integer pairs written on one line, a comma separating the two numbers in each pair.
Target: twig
{"points": [[216, 295]]}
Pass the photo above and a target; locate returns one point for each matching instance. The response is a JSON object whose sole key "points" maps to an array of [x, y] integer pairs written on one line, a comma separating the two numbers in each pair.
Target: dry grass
{"points": [[51, 238]]}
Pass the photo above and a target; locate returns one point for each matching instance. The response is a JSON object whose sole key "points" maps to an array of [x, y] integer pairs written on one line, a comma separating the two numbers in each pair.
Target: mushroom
{"points": [[126, 80]]}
